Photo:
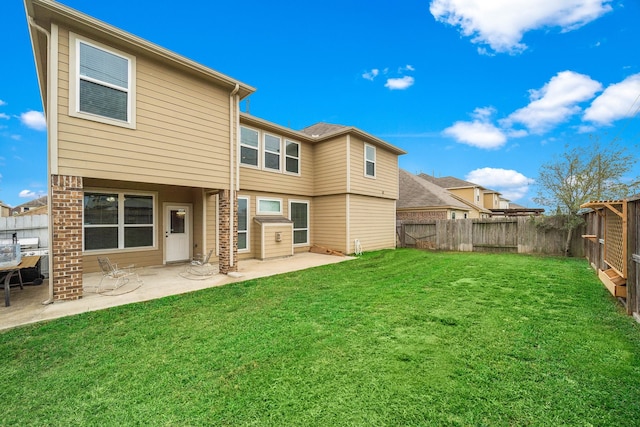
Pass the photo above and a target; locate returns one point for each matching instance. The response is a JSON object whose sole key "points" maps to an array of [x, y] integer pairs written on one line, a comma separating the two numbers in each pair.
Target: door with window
{"points": [[177, 233]]}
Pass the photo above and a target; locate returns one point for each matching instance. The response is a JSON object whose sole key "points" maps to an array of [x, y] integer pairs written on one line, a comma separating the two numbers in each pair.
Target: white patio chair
{"points": [[201, 266], [117, 278]]}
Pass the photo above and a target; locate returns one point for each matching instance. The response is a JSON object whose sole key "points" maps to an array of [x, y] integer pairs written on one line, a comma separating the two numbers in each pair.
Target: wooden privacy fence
{"points": [[612, 246], [543, 235]]}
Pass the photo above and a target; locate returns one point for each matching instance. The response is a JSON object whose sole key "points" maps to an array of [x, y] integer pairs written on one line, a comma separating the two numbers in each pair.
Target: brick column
{"points": [[227, 240], [66, 245]]}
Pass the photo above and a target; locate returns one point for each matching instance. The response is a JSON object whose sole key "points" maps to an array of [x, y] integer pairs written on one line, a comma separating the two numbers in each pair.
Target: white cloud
{"points": [[370, 75], [28, 194], [401, 83], [2, 102], [555, 102], [34, 120], [511, 184], [4, 116], [618, 101], [479, 132], [501, 24]]}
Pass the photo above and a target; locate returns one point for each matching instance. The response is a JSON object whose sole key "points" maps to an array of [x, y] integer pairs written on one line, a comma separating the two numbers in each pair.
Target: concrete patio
{"points": [[26, 304]]}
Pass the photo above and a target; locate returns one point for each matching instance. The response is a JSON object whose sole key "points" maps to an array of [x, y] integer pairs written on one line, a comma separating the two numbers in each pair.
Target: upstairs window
{"points": [[271, 152], [292, 154], [249, 145], [104, 84], [370, 161]]}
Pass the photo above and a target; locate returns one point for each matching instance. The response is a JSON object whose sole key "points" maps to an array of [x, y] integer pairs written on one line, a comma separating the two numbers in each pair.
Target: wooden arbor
{"points": [[614, 239]]}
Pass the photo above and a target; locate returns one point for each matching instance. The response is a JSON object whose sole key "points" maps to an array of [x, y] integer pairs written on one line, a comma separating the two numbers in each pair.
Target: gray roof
{"points": [[322, 129], [449, 181], [416, 192]]}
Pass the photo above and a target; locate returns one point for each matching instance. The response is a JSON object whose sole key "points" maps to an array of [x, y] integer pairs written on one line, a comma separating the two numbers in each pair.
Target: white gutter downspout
{"points": [[49, 130], [232, 151]]}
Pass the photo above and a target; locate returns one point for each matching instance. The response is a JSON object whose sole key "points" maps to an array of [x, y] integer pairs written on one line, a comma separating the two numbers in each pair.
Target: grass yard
{"points": [[394, 338]]}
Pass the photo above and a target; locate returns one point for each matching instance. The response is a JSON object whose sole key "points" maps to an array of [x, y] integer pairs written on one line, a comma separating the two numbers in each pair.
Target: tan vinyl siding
{"points": [[254, 228], [385, 184], [331, 167], [270, 248], [211, 224], [163, 194], [330, 222], [467, 194], [181, 135], [372, 221], [252, 179]]}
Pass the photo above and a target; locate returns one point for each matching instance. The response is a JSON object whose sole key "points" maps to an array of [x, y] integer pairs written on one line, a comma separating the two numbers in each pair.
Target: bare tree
{"points": [[582, 174]]}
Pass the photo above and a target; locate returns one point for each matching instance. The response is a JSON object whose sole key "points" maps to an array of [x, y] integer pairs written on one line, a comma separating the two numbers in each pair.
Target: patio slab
{"points": [[26, 304]]}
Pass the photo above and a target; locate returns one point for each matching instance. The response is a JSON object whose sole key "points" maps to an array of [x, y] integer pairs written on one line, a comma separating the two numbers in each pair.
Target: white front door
{"points": [[177, 233]]}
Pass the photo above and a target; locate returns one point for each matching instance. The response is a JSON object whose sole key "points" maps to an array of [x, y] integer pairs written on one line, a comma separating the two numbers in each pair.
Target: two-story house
{"points": [[480, 199], [151, 161]]}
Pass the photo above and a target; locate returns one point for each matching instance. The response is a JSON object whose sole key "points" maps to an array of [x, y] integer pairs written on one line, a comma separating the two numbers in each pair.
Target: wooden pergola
{"points": [[614, 213]]}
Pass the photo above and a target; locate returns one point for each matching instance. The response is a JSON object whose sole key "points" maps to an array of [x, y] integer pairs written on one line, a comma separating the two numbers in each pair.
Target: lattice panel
{"points": [[614, 241]]}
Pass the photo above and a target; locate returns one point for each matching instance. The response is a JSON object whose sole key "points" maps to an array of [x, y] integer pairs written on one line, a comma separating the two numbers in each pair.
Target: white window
{"points": [[118, 220], [272, 152], [103, 86], [299, 214], [269, 206], [369, 161], [249, 146], [292, 157], [243, 223]]}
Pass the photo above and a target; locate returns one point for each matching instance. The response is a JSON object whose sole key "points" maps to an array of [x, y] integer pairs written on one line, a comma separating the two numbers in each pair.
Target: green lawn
{"points": [[400, 338]]}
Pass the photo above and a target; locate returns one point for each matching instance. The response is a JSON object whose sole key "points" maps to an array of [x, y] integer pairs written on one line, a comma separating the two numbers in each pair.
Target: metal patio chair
{"points": [[201, 266], [116, 278]]}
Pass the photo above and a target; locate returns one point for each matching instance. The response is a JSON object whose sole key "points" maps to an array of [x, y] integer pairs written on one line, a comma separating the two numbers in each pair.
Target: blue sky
{"points": [[483, 90]]}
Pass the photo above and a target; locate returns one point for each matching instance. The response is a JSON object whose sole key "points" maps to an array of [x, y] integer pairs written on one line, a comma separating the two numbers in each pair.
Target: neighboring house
{"points": [[151, 161], [472, 193], [423, 200], [34, 207], [5, 210], [491, 199]]}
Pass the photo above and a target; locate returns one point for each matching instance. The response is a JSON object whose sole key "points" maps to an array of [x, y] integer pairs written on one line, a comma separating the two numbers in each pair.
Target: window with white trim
{"points": [[243, 223], [269, 206], [103, 87], [369, 161], [118, 220], [272, 152], [249, 146], [292, 157], [299, 214]]}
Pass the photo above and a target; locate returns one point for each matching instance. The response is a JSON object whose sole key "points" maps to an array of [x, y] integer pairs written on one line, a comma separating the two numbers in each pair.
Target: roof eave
{"points": [[56, 12]]}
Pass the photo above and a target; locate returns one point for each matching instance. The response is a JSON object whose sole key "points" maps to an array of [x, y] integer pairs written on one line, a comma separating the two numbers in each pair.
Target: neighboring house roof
{"points": [[322, 132], [416, 192], [31, 207], [45, 11], [449, 182]]}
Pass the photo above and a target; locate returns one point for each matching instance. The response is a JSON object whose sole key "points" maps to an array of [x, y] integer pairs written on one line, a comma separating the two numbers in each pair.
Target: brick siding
{"points": [[66, 247]]}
